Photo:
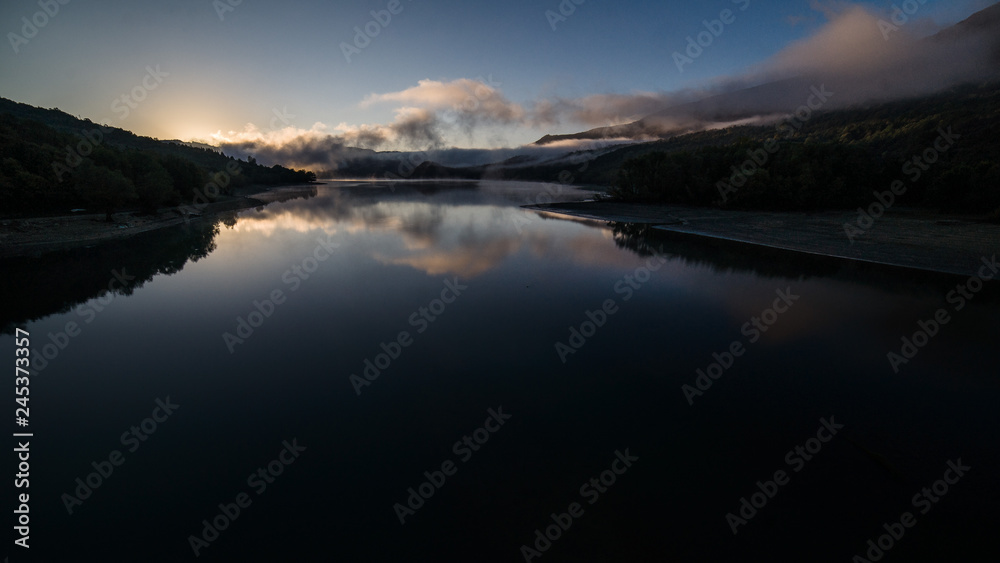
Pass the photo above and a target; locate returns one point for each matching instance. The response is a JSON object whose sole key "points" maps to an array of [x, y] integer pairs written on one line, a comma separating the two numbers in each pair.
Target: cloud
{"points": [[465, 98], [870, 56], [319, 146], [861, 54], [850, 43], [864, 56], [429, 111], [607, 109]]}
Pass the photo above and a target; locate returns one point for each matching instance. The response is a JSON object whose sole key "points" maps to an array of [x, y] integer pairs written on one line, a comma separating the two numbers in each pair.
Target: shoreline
{"points": [[904, 239], [33, 236]]}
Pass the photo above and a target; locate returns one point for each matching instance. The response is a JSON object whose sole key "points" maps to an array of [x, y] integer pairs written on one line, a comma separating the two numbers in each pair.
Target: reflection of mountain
{"points": [[36, 287], [725, 257]]}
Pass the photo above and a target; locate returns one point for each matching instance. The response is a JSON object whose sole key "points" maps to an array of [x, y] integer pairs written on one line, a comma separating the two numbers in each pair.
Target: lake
{"points": [[427, 371]]}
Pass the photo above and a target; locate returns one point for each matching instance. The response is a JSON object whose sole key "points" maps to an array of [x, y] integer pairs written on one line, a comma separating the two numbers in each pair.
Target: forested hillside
{"points": [[943, 148], [51, 162]]}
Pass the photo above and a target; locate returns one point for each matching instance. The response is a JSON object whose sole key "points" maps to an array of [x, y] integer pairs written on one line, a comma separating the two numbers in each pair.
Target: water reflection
{"points": [[530, 277], [457, 228], [36, 287]]}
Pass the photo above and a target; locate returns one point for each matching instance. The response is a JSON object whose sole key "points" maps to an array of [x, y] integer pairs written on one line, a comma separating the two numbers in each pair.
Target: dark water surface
{"points": [[480, 292]]}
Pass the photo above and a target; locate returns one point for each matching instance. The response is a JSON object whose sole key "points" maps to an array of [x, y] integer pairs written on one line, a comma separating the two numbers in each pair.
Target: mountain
{"points": [[51, 162], [765, 100], [836, 160], [973, 42]]}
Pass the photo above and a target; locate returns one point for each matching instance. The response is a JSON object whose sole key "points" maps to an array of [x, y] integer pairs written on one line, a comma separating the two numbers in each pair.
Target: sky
{"points": [[433, 74]]}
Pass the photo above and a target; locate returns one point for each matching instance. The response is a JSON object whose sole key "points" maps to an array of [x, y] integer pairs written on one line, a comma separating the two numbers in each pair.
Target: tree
{"points": [[105, 189], [153, 184]]}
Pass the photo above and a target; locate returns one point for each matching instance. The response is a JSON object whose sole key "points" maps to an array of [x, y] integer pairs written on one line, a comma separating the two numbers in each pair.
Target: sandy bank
{"points": [[905, 239], [32, 236]]}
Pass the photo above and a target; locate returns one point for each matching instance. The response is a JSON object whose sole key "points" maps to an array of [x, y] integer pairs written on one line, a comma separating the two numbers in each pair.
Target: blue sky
{"points": [[265, 59]]}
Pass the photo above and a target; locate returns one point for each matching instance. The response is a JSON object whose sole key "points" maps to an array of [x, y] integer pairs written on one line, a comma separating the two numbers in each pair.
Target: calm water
{"points": [[480, 292]]}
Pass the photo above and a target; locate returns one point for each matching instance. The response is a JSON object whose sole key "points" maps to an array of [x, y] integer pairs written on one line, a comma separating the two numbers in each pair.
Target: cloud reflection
{"points": [[438, 232]]}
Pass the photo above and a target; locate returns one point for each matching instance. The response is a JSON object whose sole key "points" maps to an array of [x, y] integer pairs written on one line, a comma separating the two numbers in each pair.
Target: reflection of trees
{"points": [[728, 256], [36, 287], [719, 255], [633, 236]]}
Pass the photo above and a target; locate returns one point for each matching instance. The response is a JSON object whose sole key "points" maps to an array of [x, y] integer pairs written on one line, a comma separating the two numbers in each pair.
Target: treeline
{"points": [[943, 148], [45, 170], [789, 176]]}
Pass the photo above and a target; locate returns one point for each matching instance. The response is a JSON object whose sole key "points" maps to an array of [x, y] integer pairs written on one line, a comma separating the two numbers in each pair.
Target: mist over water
{"points": [[485, 291]]}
